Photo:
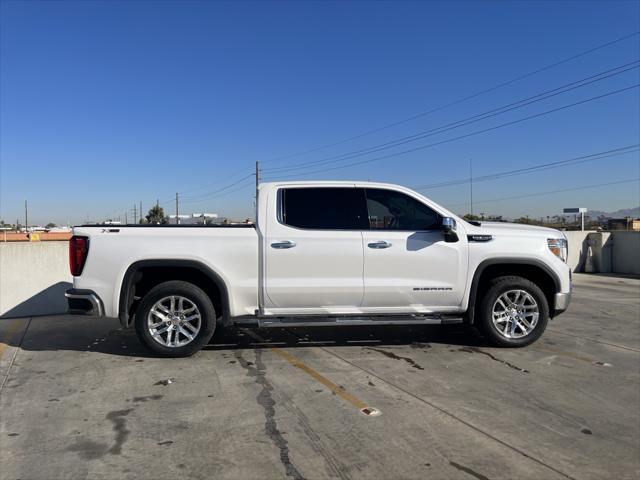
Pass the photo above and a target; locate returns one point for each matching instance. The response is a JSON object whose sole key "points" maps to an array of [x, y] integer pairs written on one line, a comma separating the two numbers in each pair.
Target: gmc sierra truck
{"points": [[322, 253]]}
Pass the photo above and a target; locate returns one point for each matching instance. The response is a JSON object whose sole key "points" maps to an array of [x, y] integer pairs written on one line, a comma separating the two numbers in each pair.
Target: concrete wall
{"points": [[604, 252], [33, 278], [625, 252], [578, 249]]}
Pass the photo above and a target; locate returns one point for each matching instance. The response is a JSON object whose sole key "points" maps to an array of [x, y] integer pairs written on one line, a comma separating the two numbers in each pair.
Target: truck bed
{"points": [[167, 225], [231, 251]]}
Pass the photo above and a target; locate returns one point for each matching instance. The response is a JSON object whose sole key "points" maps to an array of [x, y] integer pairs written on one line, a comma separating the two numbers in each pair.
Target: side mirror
{"points": [[449, 229], [448, 224]]}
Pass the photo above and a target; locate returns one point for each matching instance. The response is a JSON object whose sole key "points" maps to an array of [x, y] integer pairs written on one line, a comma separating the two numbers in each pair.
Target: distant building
{"points": [[623, 224], [198, 219]]}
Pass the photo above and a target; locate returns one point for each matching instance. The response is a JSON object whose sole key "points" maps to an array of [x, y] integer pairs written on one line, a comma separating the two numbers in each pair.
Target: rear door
{"points": [[408, 266], [313, 250]]}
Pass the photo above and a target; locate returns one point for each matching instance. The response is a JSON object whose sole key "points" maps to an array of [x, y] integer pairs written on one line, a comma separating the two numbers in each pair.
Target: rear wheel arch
{"points": [[534, 270], [143, 275]]}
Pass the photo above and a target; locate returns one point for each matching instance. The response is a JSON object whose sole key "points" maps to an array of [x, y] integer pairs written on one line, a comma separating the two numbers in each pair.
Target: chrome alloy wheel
{"points": [[174, 321], [515, 314]]}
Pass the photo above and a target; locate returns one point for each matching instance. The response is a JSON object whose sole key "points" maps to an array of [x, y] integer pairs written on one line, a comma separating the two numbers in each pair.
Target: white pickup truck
{"points": [[322, 253]]}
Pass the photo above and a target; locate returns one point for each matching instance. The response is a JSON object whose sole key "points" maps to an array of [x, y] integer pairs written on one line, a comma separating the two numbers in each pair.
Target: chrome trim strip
{"points": [[98, 311]]}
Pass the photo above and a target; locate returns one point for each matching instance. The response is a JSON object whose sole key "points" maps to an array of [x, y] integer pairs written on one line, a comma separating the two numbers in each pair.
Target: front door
{"points": [[408, 266], [313, 255]]}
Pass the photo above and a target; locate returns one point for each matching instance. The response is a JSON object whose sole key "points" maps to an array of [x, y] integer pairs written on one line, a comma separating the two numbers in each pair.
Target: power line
{"points": [[456, 102], [471, 134], [218, 182], [171, 200], [584, 187], [203, 196], [536, 168], [245, 185], [420, 114], [469, 120]]}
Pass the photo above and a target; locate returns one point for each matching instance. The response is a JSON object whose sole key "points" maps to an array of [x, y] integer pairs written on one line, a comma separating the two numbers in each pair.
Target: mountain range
{"points": [[622, 213]]}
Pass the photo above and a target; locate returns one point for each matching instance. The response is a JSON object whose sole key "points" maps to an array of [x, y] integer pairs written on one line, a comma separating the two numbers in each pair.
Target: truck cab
{"points": [[342, 248]]}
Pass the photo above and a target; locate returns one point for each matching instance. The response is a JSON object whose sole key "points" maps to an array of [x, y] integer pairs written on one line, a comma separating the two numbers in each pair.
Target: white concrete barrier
{"points": [[604, 252], [577, 249], [625, 252], [33, 278]]}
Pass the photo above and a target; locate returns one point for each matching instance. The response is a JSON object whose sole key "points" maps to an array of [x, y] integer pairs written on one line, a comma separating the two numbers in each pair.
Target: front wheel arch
{"points": [[533, 270]]}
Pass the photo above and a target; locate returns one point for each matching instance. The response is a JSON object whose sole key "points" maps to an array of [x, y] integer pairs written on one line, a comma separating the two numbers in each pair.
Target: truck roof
{"points": [[330, 182]]}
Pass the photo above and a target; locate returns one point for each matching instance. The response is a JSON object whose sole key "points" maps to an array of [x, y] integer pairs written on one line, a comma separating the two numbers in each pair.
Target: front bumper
{"points": [[561, 302], [84, 302]]}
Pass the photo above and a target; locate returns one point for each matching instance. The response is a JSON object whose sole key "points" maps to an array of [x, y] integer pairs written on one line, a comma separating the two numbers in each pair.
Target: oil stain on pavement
{"points": [[496, 359], [266, 401], [388, 354]]}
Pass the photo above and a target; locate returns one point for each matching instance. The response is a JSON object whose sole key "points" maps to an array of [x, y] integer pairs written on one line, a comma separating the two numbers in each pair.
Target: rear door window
{"points": [[323, 208]]}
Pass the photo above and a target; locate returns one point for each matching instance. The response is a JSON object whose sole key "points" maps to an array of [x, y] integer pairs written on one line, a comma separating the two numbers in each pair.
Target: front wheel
{"points": [[175, 319], [513, 312]]}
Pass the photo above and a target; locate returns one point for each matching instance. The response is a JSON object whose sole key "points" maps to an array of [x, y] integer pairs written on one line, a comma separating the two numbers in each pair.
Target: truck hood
{"points": [[513, 228]]}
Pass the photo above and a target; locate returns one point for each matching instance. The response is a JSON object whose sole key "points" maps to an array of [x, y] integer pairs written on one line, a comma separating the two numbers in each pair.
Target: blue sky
{"points": [[106, 104]]}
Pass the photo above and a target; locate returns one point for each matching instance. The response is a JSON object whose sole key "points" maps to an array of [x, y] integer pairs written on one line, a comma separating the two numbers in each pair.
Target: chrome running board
{"points": [[320, 321]]}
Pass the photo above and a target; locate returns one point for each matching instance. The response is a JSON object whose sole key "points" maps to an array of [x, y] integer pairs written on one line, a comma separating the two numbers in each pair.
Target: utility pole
{"points": [[471, 183], [140, 211], [177, 218], [126, 221], [26, 217], [257, 179], [135, 217]]}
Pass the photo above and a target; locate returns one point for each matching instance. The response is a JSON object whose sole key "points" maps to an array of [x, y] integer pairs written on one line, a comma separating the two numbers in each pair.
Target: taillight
{"points": [[78, 250]]}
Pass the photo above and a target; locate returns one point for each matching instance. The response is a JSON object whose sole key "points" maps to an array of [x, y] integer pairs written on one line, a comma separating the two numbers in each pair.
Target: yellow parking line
{"points": [[336, 389], [342, 393], [9, 333]]}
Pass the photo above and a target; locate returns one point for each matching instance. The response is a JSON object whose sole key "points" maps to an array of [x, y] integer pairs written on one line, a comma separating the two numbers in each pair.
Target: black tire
{"points": [[195, 295], [499, 286]]}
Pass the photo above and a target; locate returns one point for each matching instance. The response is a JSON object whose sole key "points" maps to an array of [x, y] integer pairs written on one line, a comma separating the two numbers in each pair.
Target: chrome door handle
{"points": [[283, 244], [378, 245]]}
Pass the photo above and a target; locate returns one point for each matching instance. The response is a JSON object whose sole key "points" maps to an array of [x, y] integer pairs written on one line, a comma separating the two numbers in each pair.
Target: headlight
{"points": [[558, 247]]}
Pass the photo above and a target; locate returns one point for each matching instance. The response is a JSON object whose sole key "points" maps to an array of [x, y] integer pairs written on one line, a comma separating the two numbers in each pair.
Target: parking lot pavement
{"points": [[81, 398]]}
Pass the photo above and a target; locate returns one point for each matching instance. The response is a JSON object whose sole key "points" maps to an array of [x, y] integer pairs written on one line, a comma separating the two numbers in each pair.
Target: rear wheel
{"points": [[175, 319], [513, 312]]}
